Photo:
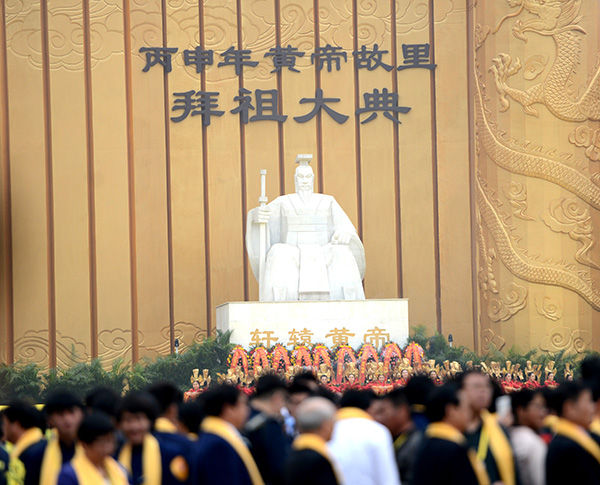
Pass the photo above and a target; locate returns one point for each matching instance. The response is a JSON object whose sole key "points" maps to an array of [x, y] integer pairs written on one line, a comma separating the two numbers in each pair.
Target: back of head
{"points": [[417, 390], [93, 426], [590, 368], [24, 413], [268, 385], [398, 397], [166, 394], [313, 413], [216, 398], [138, 402], [103, 399], [357, 399], [568, 392], [439, 399], [521, 399], [61, 401], [307, 378], [299, 388], [190, 415]]}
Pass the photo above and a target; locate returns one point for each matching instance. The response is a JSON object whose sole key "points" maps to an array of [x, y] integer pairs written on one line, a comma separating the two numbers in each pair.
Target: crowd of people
{"points": [[471, 429]]}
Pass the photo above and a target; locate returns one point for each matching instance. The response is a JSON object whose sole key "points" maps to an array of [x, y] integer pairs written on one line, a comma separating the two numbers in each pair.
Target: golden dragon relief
{"points": [[558, 20]]}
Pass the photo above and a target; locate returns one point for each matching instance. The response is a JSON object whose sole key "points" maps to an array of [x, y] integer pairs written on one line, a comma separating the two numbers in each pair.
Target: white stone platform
{"points": [[309, 322]]}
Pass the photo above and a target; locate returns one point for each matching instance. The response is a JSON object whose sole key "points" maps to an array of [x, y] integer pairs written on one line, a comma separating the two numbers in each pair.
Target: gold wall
{"points": [[536, 105], [123, 230]]}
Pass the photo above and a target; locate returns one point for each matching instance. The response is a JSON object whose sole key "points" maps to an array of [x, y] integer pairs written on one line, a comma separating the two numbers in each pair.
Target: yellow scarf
{"points": [[350, 413], [550, 421], [309, 441], [595, 426], [88, 474], [52, 461], [444, 431], [163, 425], [500, 447], [573, 432], [151, 460], [222, 429], [28, 438]]}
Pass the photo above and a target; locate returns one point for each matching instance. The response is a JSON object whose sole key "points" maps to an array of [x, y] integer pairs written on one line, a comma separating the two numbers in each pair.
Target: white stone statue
{"points": [[312, 250]]}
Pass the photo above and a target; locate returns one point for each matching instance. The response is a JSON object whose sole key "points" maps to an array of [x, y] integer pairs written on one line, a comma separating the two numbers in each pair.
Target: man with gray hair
{"points": [[310, 460]]}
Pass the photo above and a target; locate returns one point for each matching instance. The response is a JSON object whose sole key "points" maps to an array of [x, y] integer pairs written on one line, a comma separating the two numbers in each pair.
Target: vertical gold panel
{"points": [[453, 173], [69, 160], [224, 168], [377, 156], [536, 189], [416, 174], [150, 181], [339, 144], [28, 183], [261, 138], [111, 184], [297, 30], [6, 286], [189, 271]]}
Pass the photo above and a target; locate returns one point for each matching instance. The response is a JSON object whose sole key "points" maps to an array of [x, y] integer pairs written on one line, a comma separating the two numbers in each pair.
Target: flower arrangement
{"points": [[390, 353], [414, 353], [366, 352], [301, 356], [238, 356]]}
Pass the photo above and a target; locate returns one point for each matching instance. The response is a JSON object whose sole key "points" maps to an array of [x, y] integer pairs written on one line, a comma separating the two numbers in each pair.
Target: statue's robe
{"points": [[301, 261]]}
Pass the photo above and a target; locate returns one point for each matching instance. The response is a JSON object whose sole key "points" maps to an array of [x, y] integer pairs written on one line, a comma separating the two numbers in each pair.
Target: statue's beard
{"points": [[305, 194]]}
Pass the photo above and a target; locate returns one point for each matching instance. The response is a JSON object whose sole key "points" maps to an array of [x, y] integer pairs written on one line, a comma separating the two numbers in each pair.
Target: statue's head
{"points": [[304, 179]]}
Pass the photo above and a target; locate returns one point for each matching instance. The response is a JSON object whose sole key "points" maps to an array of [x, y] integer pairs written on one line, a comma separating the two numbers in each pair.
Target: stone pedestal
{"points": [[309, 322]]}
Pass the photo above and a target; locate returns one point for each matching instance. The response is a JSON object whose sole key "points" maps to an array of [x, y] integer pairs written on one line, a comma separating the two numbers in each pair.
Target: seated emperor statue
{"points": [[312, 249]]}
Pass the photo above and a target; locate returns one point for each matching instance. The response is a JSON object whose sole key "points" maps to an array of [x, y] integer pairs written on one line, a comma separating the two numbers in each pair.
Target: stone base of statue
{"points": [[331, 323]]}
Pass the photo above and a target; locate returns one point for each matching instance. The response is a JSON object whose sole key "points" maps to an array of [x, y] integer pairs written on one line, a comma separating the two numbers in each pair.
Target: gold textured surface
{"points": [[122, 230]]}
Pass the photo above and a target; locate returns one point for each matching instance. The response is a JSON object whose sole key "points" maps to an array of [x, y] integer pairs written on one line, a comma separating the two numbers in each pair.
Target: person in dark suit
{"points": [[221, 455], [22, 423], [146, 456], [395, 414], [310, 460], [64, 413], [444, 456], [269, 444], [573, 454]]}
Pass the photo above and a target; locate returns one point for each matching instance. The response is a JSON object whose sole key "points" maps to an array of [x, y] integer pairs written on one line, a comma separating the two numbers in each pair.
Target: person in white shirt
{"points": [[362, 447], [529, 411]]}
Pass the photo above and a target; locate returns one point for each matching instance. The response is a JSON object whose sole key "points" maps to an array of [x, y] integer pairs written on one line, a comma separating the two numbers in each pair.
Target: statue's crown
{"points": [[304, 159]]}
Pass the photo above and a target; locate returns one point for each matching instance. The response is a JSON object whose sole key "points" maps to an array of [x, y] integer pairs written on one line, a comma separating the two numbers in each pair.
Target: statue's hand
{"points": [[340, 238], [262, 215]]}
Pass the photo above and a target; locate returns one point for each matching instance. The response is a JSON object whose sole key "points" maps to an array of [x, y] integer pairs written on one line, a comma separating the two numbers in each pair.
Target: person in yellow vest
{"points": [[22, 423], [310, 460], [573, 455], [222, 456], [64, 413], [4, 456], [444, 456], [484, 432], [93, 464], [148, 458]]}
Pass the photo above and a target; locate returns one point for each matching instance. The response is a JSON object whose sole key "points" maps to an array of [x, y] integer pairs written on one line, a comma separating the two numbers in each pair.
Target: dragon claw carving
{"points": [[502, 69]]}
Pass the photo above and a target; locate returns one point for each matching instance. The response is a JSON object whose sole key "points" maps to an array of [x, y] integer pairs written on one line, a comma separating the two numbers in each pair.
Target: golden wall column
{"points": [[536, 105]]}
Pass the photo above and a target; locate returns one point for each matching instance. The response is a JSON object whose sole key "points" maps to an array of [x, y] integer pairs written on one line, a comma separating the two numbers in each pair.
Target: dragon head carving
{"points": [[551, 17]]}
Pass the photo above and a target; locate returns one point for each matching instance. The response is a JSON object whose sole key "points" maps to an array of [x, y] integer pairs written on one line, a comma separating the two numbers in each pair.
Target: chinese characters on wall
{"points": [[336, 336], [263, 105]]}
